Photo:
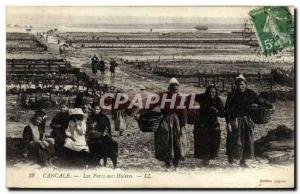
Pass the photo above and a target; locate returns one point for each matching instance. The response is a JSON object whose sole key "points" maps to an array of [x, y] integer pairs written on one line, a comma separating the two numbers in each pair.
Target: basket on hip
{"points": [[149, 121], [261, 114]]}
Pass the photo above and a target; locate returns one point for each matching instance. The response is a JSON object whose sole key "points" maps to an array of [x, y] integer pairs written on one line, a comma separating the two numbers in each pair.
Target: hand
{"points": [[105, 133], [212, 110], [79, 123], [45, 143], [228, 127], [51, 140], [80, 133], [42, 145], [72, 124]]}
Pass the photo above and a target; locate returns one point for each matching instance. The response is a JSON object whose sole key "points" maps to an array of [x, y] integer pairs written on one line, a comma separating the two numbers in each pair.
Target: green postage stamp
{"points": [[274, 28]]}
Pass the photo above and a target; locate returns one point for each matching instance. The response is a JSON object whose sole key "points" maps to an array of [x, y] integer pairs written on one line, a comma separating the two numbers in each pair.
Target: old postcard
{"points": [[150, 97]]}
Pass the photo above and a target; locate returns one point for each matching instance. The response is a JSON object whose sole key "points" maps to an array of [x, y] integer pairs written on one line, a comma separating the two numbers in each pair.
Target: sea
{"points": [[126, 28]]}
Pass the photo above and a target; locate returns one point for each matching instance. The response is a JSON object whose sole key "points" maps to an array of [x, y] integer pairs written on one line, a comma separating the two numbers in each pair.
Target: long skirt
{"points": [[206, 142], [75, 158], [240, 143], [104, 147], [41, 153], [120, 120], [170, 139]]}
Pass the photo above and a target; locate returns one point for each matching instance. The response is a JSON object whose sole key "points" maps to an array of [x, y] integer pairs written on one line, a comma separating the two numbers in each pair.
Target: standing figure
{"points": [[59, 124], [119, 115], [170, 138], [24, 99], [102, 65], [207, 133], [35, 143], [240, 142], [99, 137], [112, 67], [95, 62], [79, 100]]}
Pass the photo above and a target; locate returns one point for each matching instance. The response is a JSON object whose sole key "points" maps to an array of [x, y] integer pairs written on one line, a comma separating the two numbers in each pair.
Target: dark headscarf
{"points": [[209, 88]]}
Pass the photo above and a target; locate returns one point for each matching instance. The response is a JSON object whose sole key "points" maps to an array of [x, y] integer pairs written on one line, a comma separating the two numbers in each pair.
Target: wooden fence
{"points": [[23, 42], [158, 43], [30, 66]]}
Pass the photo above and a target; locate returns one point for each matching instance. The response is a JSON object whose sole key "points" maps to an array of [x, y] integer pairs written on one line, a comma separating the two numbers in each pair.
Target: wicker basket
{"points": [[149, 121], [261, 115]]}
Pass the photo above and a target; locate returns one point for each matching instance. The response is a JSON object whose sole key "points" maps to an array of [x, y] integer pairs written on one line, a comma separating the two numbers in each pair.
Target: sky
{"points": [[64, 14]]}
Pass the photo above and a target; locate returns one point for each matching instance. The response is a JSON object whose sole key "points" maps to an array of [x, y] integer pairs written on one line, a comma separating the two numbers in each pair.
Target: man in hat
{"points": [[59, 124], [99, 137]]}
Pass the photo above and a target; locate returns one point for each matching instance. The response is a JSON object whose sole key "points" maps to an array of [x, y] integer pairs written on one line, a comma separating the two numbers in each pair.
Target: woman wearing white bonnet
{"points": [[170, 137], [76, 131], [173, 81], [75, 146], [239, 125]]}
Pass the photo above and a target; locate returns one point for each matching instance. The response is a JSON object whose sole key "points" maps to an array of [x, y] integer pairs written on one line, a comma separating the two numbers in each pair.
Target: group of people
{"points": [[77, 135], [171, 137], [100, 65], [77, 132]]}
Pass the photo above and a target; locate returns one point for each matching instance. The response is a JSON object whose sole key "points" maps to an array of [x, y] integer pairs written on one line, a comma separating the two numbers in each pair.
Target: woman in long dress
{"points": [[170, 137], [207, 133], [76, 147], [239, 125]]}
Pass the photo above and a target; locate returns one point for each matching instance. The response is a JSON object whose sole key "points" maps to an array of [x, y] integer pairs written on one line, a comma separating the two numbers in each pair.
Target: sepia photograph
{"points": [[150, 97]]}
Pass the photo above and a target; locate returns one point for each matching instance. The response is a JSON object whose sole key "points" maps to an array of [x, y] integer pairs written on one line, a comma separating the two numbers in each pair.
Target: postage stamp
{"points": [[274, 28]]}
